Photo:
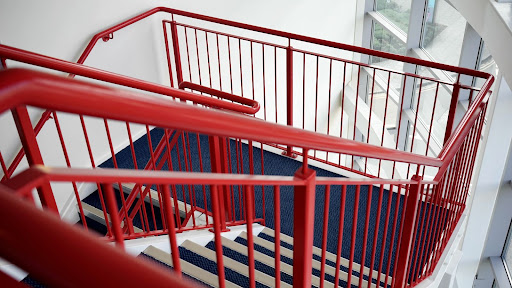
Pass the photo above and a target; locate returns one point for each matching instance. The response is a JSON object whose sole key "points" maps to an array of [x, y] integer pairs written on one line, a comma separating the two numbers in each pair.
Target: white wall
{"points": [[62, 29], [489, 179]]}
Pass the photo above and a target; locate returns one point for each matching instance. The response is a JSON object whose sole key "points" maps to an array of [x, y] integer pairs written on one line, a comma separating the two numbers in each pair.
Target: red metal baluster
{"points": [[289, 93], [353, 237], [365, 236], [127, 220], [93, 165], [324, 233], [217, 228], [167, 52], [340, 235], [385, 234], [404, 252], [175, 253], [342, 105], [68, 164], [29, 141], [375, 236], [114, 215], [176, 49], [249, 199], [277, 235], [452, 110]]}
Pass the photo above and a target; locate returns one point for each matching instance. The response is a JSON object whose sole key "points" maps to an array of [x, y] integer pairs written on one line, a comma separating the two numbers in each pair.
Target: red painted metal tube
{"points": [[254, 105], [404, 252], [375, 236], [217, 222], [114, 214], [249, 199], [341, 223], [385, 233], [353, 237], [72, 243], [303, 221], [14, 164], [286, 35], [289, 94], [452, 109], [277, 235], [324, 233], [176, 49], [34, 157], [167, 53], [166, 195], [69, 95], [365, 233], [82, 70]]}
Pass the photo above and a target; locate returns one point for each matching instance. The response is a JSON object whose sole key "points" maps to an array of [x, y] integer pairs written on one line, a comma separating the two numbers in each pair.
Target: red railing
{"points": [[417, 224]]}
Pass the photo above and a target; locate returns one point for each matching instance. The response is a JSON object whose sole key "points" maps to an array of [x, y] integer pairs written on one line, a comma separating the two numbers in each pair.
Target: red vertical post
{"points": [[303, 222], [29, 142], [176, 49], [114, 214], [453, 109], [166, 198], [404, 252], [226, 193], [249, 202], [215, 158], [289, 94]]}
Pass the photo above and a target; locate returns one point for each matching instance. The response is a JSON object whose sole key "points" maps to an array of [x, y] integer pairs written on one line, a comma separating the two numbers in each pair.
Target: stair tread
{"points": [[267, 260], [329, 256], [186, 267], [97, 215], [329, 270], [236, 266]]}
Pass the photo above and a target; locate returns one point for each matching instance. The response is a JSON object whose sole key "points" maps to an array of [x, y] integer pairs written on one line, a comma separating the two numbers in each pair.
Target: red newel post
{"points": [[453, 109], [289, 95], [216, 161], [407, 241], [303, 222]]}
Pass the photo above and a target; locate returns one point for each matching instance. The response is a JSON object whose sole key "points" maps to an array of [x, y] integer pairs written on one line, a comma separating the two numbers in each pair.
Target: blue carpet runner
{"points": [[278, 165]]}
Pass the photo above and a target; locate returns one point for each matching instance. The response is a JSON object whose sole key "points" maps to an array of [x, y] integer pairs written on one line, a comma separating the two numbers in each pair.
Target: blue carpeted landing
{"points": [[279, 165]]}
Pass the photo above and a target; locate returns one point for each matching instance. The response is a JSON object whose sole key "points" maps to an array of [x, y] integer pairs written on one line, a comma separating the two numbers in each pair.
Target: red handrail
{"points": [[248, 106], [25, 87], [287, 35], [50, 243]]}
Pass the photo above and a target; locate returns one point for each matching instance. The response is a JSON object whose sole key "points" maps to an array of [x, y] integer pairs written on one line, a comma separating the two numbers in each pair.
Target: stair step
{"points": [[186, 267], [329, 270], [267, 260], [262, 279], [328, 256], [97, 215], [182, 207]]}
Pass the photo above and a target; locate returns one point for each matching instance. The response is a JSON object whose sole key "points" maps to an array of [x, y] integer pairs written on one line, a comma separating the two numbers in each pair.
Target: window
{"points": [[486, 64], [443, 32], [396, 11], [507, 253], [385, 41]]}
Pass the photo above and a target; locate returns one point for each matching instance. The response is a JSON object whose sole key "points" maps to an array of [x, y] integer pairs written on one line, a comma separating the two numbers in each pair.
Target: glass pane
{"points": [[396, 11], [486, 64], [507, 252], [443, 32], [385, 41]]}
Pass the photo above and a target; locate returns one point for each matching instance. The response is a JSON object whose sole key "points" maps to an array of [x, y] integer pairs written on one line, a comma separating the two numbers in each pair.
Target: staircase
{"points": [[201, 186]]}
